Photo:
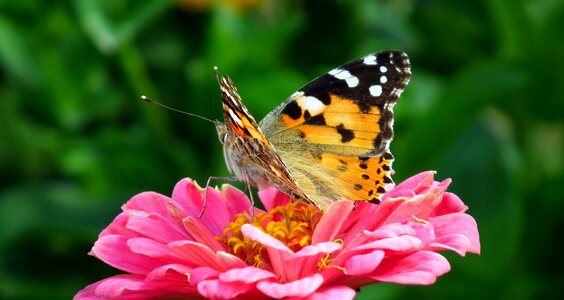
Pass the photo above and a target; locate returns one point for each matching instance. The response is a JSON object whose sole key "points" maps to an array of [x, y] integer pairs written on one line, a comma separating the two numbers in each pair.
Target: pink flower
{"points": [[290, 251]]}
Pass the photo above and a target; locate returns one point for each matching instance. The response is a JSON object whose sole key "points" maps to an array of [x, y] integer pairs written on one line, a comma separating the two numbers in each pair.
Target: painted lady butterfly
{"points": [[328, 141]]}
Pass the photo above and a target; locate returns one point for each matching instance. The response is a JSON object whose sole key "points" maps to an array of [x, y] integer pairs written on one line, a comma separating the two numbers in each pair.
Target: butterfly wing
{"points": [[334, 133], [248, 153]]}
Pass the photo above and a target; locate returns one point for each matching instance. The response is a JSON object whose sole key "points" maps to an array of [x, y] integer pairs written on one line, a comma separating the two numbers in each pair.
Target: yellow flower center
{"points": [[293, 224]]}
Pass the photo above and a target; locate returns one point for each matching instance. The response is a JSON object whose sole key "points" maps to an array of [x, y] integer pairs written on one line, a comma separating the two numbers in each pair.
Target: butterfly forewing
{"points": [[248, 153], [334, 133]]}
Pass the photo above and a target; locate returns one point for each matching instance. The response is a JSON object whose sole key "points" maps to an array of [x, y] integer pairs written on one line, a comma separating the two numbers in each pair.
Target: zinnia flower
{"points": [[291, 250]]}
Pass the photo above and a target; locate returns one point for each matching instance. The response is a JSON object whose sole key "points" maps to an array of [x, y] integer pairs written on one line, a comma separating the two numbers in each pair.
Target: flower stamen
{"points": [[293, 224], [325, 261]]}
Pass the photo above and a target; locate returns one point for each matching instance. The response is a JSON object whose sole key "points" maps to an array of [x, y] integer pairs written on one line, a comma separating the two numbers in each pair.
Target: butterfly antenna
{"points": [[144, 98], [216, 72]]}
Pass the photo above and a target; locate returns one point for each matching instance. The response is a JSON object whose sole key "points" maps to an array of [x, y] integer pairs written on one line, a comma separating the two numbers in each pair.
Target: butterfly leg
{"points": [[228, 179], [252, 200]]}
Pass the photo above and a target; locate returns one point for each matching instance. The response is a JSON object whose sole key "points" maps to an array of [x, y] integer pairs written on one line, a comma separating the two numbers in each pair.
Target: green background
{"points": [[485, 108]]}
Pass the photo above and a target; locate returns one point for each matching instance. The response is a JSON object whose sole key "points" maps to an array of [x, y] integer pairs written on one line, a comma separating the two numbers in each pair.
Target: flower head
{"points": [[289, 250]]}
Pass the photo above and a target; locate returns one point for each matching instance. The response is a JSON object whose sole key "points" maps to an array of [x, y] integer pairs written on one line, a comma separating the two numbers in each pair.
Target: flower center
{"points": [[293, 224]]}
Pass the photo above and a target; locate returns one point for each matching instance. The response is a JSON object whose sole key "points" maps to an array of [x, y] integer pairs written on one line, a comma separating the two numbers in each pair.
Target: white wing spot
{"points": [[383, 79], [311, 104], [334, 72], [234, 117], [383, 69], [345, 75], [370, 60], [352, 81], [375, 90]]}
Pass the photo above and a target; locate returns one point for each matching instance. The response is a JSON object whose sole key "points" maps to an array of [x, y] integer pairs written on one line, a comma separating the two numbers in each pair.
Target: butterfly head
{"points": [[222, 132]]}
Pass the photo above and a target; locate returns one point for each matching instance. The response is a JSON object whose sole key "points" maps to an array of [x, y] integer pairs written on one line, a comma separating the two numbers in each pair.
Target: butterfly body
{"points": [[328, 141]]}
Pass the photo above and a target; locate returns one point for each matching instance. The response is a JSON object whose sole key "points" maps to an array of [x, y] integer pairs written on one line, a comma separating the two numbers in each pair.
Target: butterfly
{"points": [[328, 141]]}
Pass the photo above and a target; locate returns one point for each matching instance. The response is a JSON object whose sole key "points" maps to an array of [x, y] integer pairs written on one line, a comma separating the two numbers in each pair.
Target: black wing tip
{"points": [[395, 57]]}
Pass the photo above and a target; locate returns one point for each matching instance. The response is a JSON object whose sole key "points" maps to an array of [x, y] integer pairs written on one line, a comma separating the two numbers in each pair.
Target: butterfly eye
{"points": [[221, 132]]}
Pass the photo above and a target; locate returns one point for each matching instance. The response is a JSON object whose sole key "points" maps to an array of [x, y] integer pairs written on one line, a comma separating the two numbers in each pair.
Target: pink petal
{"points": [[134, 287], [445, 183], [233, 282], [216, 215], [246, 275], [148, 202], [299, 288], [449, 227], [199, 255], [397, 244], [396, 194], [411, 185], [118, 227], [111, 287], [277, 251], [305, 261], [188, 194], [229, 261], [449, 204], [421, 267], [363, 264], [156, 227], [340, 292], [191, 196], [113, 250], [315, 250], [371, 217], [425, 232], [171, 272], [332, 221], [419, 206], [237, 201], [201, 234], [217, 289], [203, 273], [364, 217], [453, 242], [220, 206], [271, 198], [260, 236], [153, 249], [390, 230], [196, 254]]}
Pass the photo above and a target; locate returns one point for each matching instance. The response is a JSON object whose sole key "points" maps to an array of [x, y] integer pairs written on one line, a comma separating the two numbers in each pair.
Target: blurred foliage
{"points": [[485, 107]]}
